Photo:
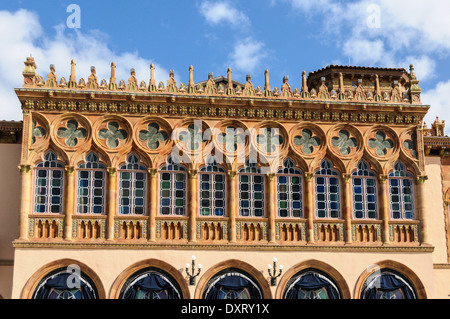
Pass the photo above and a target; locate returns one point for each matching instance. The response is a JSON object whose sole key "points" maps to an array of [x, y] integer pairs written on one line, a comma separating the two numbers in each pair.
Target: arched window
{"points": [[251, 190], [232, 284], [64, 284], [91, 186], [364, 185], [387, 284], [132, 187], [401, 191], [327, 191], [212, 189], [172, 189], [311, 284], [150, 283], [289, 187], [49, 185]]}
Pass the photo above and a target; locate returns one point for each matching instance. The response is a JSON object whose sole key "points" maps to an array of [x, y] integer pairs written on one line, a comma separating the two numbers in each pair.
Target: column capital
{"points": [[232, 174], [152, 171], [271, 176], [193, 173], [421, 179], [346, 177], [309, 176], [112, 171], [24, 168], [383, 178], [69, 169]]}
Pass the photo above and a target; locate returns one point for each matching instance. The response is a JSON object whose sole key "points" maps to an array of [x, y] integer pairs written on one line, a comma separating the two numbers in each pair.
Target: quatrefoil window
{"points": [[71, 133], [113, 135], [193, 137], [36, 131], [153, 135], [270, 140], [410, 144], [232, 138], [380, 143], [307, 141], [344, 142]]}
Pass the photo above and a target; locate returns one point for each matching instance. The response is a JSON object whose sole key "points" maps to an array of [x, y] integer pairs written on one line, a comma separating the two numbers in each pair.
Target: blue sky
{"points": [[283, 36]]}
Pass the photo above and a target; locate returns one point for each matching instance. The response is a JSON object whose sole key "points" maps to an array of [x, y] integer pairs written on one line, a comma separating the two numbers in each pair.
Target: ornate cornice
{"points": [[199, 246]]}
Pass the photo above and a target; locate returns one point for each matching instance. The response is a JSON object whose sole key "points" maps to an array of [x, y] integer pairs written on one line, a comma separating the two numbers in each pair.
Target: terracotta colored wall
{"points": [[9, 212]]}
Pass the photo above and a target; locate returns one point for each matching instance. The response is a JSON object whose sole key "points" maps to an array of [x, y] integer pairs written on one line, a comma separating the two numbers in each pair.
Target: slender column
{"points": [[193, 204], [153, 199], [271, 207], [112, 202], [421, 203], [347, 213], [309, 207], [69, 201], [25, 200], [232, 205], [383, 200]]}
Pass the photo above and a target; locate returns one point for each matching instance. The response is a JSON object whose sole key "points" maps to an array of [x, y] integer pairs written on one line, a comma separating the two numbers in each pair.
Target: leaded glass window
{"points": [[49, 185], [212, 190], [387, 284], [289, 189], [251, 190], [132, 187], [91, 186], [232, 284], [172, 189], [311, 284], [364, 186], [401, 191], [327, 191]]}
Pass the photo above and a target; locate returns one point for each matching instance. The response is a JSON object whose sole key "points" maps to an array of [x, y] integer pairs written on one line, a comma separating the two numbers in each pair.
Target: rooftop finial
{"points": [[73, 78], [191, 84], [112, 80], [29, 72], [230, 90], [304, 92], [267, 90], [152, 85]]}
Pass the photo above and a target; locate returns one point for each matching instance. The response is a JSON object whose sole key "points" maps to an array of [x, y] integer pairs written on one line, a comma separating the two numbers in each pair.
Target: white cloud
{"points": [[23, 35], [247, 55], [222, 12], [437, 98]]}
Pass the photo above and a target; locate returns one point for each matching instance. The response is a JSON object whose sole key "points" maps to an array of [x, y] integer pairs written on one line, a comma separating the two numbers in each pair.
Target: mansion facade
{"points": [[135, 190]]}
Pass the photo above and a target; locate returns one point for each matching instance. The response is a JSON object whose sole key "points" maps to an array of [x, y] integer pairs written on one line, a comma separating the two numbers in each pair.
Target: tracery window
{"points": [[91, 186], [49, 185], [61, 284], [172, 189], [132, 186], [387, 284], [311, 284], [232, 284], [150, 283], [212, 189], [364, 186], [289, 189], [401, 191], [327, 191], [251, 190]]}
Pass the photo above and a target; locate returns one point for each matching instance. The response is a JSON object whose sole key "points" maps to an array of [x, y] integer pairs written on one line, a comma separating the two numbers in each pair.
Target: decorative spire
{"points": [[414, 90], [341, 94], [171, 83], [152, 85], [248, 87], [73, 78], [52, 79], [29, 72], [267, 90], [230, 90], [92, 82], [191, 84], [305, 91], [112, 80], [378, 96], [132, 84], [286, 88]]}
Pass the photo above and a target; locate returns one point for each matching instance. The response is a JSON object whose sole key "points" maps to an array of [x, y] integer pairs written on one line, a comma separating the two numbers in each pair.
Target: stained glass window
{"points": [[327, 191], [364, 186], [232, 284], [289, 186], [311, 284], [49, 186], [172, 189], [251, 190], [212, 189], [401, 191], [91, 186], [132, 187], [387, 284]]}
